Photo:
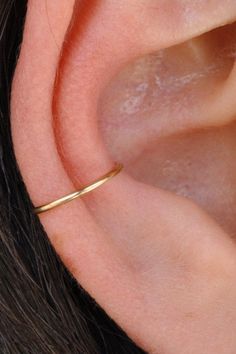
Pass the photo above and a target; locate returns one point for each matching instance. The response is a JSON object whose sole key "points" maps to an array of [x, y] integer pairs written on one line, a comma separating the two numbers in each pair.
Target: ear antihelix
{"points": [[104, 37]]}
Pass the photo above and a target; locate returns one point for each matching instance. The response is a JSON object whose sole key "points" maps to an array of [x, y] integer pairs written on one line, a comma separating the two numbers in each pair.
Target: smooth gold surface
{"points": [[99, 182]]}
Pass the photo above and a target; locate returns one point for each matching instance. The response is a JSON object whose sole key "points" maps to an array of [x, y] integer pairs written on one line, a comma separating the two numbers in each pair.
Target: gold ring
{"points": [[80, 192]]}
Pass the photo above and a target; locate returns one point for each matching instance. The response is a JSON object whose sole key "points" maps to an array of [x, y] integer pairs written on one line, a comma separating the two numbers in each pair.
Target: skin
{"points": [[160, 266]]}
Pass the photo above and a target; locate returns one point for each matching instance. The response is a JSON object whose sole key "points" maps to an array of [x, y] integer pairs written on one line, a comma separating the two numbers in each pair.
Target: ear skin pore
{"points": [[129, 245]]}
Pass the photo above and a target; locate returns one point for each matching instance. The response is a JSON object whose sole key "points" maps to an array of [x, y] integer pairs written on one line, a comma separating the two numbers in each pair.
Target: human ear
{"points": [[155, 261]]}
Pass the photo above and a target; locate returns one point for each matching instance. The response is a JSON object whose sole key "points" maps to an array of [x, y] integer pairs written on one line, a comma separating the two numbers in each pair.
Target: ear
{"points": [[143, 253]]}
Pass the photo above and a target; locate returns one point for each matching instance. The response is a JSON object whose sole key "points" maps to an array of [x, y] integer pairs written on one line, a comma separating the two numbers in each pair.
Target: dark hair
{"points": [[42, 308]]}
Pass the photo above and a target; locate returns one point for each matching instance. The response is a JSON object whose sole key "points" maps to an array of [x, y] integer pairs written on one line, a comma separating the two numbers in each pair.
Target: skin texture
{"points": [[160, 266], [153, 117]]}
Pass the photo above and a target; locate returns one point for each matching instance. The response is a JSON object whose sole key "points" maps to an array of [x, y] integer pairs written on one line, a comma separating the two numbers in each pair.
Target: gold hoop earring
{"points": [[85, 190]]}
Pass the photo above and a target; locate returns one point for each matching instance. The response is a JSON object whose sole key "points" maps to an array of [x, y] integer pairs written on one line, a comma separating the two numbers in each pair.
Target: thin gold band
{"points": [[79, 193]]}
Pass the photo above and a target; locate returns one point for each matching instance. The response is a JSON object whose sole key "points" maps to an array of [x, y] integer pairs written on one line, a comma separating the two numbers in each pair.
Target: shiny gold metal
{"points": [[80, 192]]}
